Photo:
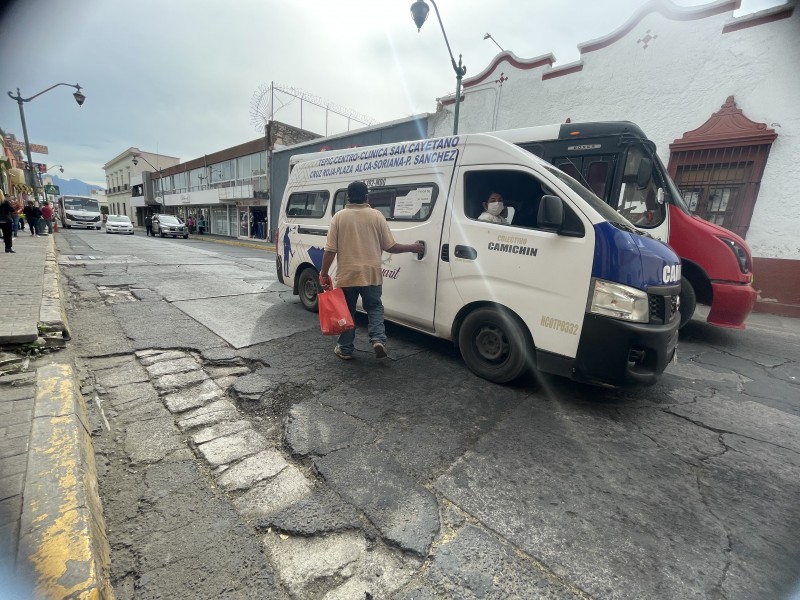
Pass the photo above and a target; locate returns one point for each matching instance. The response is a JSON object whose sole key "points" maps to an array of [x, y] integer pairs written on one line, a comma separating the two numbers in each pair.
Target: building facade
{"points": [[716, 93], [122, 174], [223, 193]]}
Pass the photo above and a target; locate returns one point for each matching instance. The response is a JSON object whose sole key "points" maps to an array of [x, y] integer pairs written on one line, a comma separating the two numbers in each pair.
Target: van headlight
{"points": [[619, 301]]}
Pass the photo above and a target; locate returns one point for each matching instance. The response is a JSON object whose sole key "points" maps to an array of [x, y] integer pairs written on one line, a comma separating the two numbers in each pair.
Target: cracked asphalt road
{"points": [[243, 459]]}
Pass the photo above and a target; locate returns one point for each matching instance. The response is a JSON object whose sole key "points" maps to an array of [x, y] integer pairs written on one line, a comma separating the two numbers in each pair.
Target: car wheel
{"points": [[688, 301], [308, 287], [186, 237], [161, 234], [107, 231], [494, 344]]}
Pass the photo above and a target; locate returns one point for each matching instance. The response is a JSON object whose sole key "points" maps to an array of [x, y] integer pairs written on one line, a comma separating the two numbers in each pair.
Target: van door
{"points": [[414, 212], [540, 275]]}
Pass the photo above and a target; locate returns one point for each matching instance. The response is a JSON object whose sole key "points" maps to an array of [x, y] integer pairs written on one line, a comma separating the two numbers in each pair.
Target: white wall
{"points": [[672, 86]]}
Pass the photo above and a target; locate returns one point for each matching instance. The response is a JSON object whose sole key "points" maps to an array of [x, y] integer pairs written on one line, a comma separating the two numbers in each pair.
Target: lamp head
{"points": [[61, 169], [419, 12], [80, 98], [135, 161], [487, 36]]}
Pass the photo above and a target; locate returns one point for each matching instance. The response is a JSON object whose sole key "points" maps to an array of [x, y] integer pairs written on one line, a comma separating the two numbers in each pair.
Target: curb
{"points": [[52, 316], [63, 549], [266, 246]]}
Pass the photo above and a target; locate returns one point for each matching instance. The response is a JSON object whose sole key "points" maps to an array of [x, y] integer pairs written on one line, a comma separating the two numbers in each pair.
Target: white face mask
{"points": [[494, 208]]}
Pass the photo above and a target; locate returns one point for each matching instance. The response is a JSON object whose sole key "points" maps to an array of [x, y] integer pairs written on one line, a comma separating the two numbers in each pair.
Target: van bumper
{"points": [[620, 352], [731, 305], [279, 268]]}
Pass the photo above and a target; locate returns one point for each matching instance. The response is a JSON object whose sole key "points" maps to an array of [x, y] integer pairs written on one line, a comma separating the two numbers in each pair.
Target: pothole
{"points": [[116, 294]]}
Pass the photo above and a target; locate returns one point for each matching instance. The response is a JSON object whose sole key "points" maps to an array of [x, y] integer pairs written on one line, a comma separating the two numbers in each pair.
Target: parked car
{"points": [[119, 224], [164, 225]]}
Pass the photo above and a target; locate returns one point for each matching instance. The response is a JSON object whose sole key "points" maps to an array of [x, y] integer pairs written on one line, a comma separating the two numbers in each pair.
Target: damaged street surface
{"points": [[238, 457]]}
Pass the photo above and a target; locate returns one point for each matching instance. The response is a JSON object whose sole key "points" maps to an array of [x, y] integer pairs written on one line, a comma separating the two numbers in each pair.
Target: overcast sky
{"points": [[179, 77]]}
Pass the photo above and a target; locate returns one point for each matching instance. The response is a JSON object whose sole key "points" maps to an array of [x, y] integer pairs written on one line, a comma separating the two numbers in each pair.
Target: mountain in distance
{"points": [[75, 187]]}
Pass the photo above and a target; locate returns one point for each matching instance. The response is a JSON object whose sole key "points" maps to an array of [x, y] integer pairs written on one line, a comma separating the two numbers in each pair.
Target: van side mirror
{"points": [[551, 213], [644, 173]]}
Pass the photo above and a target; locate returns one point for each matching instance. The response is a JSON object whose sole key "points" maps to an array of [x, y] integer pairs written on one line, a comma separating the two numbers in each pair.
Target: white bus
{"points": [[79, 211]]}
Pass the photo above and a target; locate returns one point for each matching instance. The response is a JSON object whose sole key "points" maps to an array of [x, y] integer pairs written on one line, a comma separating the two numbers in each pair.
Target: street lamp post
{"points": [[79, 98], [135, 161], [419, 12]]}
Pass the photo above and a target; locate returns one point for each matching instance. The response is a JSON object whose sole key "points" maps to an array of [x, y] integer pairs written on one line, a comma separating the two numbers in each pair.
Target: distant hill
{"points": [[74, 186]]}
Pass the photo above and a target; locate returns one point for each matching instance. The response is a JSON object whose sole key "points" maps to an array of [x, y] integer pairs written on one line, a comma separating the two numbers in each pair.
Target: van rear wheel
{"points": [[308, 288], [494, 345]]}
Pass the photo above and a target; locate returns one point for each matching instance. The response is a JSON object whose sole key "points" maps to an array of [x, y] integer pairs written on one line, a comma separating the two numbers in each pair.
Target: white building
{"points": [[122, 174], [697, 80]]}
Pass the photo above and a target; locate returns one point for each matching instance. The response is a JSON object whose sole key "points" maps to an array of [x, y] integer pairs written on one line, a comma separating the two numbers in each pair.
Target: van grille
{"points": [[662, 308]]}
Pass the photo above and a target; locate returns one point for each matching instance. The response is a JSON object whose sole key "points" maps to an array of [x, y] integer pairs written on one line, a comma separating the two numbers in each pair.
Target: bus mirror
{"points": [[551, 213], [660, 196], [645, 173]]}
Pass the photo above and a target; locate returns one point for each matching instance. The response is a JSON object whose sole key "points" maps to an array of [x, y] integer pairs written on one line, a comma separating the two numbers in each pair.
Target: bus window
{"points": [[638, 191]]}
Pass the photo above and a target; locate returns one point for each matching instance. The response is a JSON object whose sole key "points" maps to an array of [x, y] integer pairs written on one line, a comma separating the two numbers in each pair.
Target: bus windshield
{"points": [[85, 204]]}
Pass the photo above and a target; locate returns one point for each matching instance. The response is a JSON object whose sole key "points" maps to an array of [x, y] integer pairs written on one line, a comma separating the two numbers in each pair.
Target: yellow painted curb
{"points": [[63, 548]]}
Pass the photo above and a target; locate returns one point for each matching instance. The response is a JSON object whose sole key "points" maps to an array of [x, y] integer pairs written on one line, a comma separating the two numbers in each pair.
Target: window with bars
{"points": [[720, 185]]}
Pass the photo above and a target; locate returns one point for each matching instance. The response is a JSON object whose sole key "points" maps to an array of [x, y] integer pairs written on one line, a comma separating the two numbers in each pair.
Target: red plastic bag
{"points": [[334, 316]]}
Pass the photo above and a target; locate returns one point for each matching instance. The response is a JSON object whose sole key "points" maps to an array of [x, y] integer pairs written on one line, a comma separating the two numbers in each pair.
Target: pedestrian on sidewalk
{"points": [[148, 224], [6, 213], [47, 216], [357, 237], [15, 216], [32, 214]]}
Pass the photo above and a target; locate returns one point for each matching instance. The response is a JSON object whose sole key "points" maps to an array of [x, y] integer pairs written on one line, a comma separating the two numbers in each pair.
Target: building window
{"points": [[718, 167]]}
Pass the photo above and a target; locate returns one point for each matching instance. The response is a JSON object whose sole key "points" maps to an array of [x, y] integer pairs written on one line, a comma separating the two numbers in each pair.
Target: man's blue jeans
{"points": [[14, 224], [371, 300]]}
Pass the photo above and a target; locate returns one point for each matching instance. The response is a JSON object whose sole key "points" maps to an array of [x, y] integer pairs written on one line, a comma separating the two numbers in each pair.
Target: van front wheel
{"points": [[688, 301], [494, 345], [308, 288]]}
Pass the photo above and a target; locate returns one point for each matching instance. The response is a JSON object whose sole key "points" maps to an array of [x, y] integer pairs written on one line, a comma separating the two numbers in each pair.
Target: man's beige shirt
{"points": [[358, 235]]}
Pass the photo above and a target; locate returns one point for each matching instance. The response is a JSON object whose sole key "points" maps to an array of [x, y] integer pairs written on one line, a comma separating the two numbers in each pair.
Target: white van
{"points": [[569, 286]]}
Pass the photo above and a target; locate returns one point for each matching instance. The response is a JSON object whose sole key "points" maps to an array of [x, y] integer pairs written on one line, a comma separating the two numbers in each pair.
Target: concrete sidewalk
{"points": [[52, 533]]}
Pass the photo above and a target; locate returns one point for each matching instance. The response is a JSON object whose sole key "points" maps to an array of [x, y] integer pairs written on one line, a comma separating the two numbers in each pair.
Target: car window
{"points": [[307, 204], [169, 220]]}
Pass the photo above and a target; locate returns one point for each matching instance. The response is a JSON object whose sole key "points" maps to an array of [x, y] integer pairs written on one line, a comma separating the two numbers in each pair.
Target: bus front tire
{"points": [[493, 344], [308, 288], [688, 301]]}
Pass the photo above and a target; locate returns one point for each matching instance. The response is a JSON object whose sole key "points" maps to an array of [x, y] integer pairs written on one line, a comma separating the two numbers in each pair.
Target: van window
{"points": [[521, 192], [307, 204], [398, 203]]}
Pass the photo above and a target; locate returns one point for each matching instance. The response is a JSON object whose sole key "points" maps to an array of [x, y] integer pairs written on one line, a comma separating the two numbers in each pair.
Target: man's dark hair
{"points": [[357, 192]]}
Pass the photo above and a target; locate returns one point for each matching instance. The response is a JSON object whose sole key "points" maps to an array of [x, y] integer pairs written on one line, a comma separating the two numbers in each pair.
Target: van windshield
{"points": [[608, 213]]}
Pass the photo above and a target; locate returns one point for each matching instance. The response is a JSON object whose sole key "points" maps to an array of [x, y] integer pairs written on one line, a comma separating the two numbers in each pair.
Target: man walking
{"points": [[47, 217], [148, 224], [6, 213], [357, 238], [32, 214]]}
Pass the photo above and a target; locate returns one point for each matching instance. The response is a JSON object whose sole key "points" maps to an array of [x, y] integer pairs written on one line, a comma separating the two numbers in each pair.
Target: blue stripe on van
{"points": [[631, 259]]}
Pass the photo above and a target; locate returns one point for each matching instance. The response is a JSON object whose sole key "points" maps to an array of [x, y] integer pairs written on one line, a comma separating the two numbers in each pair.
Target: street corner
{"points": [[63, 548]]}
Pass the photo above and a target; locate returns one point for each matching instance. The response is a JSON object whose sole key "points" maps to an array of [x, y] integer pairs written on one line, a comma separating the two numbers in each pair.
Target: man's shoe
{"points": [[338, 352], [11, 250], [380, 349]]}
